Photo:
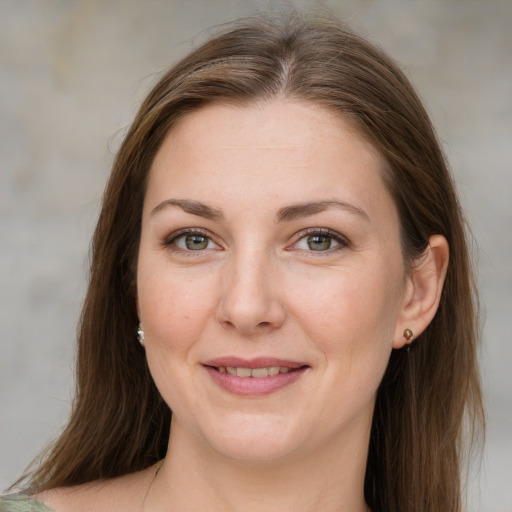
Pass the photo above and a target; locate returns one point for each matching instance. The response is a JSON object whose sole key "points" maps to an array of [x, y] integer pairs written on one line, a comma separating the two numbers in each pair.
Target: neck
{"points": [[197, 479]]}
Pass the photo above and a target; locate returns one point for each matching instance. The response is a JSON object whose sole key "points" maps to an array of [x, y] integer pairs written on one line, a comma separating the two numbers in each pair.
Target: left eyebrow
{"points": [[193, 207], [298, 211]]}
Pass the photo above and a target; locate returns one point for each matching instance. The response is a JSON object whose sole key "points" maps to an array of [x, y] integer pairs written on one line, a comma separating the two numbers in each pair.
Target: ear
{"points": [[422, 291]]}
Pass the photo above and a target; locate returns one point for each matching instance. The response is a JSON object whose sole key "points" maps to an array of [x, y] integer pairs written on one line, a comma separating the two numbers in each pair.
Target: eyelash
{"points": [[170, 241], [342, 241]]}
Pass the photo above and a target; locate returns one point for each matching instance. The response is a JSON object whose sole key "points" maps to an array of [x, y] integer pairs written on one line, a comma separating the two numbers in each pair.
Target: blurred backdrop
{"points": [[72, 73]]}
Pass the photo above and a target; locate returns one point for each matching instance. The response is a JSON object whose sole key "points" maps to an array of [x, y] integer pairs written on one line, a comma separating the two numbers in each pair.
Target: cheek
{"points": [[351, 305], [176, 304], [351, 318], [173, 309]]}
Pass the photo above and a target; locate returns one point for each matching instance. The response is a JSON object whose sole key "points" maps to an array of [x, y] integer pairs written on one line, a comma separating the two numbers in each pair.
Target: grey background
{"points": [[71, 76]]}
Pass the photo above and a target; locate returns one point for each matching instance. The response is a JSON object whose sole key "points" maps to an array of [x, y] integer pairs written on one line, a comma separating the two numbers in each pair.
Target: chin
{"points": [[257, 451], [254, 438]]}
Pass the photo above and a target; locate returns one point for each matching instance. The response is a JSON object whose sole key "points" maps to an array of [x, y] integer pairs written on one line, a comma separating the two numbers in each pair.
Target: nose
{"points": [[251, 301]]}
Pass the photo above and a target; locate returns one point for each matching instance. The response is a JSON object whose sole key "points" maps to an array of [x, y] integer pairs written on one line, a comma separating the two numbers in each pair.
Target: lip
{"points": [[250, 386], [258, 362]]}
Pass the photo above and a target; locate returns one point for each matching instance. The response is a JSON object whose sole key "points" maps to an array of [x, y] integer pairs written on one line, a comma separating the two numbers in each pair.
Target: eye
{"points": [[191, 241], [320, 240]]}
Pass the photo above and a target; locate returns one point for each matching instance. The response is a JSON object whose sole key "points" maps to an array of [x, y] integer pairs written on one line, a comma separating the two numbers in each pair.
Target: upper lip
{"points": [[258, 362]]}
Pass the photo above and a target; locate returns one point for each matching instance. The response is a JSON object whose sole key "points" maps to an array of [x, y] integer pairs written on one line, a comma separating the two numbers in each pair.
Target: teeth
{"points": [[259, 372], [254, 372], [243, 372]]}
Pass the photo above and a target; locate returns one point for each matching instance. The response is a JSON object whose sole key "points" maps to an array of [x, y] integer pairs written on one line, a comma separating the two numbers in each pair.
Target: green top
{"points": [[21, 503]]}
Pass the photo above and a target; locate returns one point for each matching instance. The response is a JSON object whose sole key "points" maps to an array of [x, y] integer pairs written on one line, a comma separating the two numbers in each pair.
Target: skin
{"points": [[254, 287]]}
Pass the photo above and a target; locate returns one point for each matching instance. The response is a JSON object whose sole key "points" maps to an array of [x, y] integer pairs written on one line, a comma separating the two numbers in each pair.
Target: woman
{"points": [[281, 261]]}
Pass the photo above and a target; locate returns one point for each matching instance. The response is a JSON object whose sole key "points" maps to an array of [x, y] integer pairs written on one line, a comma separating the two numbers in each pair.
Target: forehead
{"points": [[295, 150], [290, 121]]}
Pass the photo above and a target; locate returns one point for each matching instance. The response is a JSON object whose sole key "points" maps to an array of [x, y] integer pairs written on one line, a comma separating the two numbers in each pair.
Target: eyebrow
{"points": [[306, 209], [193, 207], [285, 214]]}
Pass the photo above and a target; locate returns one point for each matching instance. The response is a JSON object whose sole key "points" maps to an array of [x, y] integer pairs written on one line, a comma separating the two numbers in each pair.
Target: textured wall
{"points": [[72, 74]]}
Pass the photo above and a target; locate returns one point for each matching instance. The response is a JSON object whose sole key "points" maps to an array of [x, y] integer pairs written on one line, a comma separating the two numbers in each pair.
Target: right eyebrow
{"points": [[193, 207], [297, 211]]}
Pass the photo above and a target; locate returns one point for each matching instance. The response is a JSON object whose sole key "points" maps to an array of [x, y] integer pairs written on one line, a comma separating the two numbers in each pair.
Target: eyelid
{"points": [[342, 240], [168, 240]]}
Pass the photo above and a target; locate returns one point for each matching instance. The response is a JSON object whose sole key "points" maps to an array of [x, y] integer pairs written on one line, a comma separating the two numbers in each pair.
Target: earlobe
{"points": [[423, 291]]}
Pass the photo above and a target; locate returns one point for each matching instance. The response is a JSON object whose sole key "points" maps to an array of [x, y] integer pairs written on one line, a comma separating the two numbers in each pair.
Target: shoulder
{"points": [[21, 503], [123, 493]]}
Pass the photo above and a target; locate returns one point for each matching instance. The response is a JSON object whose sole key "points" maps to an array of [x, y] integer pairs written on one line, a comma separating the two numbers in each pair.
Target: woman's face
{"points": [[270, 279]]}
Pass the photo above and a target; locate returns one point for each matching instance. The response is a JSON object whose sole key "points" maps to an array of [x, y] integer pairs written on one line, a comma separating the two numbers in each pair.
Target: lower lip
{"points": [[254, 386]]}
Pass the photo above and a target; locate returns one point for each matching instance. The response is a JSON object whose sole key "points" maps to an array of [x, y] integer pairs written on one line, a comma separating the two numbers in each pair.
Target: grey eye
{"points": [[319, 242], [194, 242]]}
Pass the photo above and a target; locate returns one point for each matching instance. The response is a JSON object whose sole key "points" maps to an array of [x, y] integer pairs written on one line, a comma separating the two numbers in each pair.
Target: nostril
{"points": [[248, 313], [227, 323]]}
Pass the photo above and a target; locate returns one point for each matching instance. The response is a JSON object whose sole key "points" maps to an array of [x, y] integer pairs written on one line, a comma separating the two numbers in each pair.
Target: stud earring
{"points": [[140, 335], [408, 334]]}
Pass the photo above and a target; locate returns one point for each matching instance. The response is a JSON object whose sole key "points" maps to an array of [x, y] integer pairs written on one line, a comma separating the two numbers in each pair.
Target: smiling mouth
{"points": [[254, 377], [256, 373]]}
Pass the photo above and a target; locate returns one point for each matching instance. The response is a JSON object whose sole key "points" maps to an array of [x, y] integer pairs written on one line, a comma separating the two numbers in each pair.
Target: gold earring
{"points": [[408, 334]]}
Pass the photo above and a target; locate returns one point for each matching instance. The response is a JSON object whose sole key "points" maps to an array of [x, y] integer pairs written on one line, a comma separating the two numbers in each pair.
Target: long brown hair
{"points": [[427, 398]]}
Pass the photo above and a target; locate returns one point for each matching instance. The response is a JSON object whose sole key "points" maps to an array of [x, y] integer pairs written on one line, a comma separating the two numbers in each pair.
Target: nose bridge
{"points": [[250, 299]]}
